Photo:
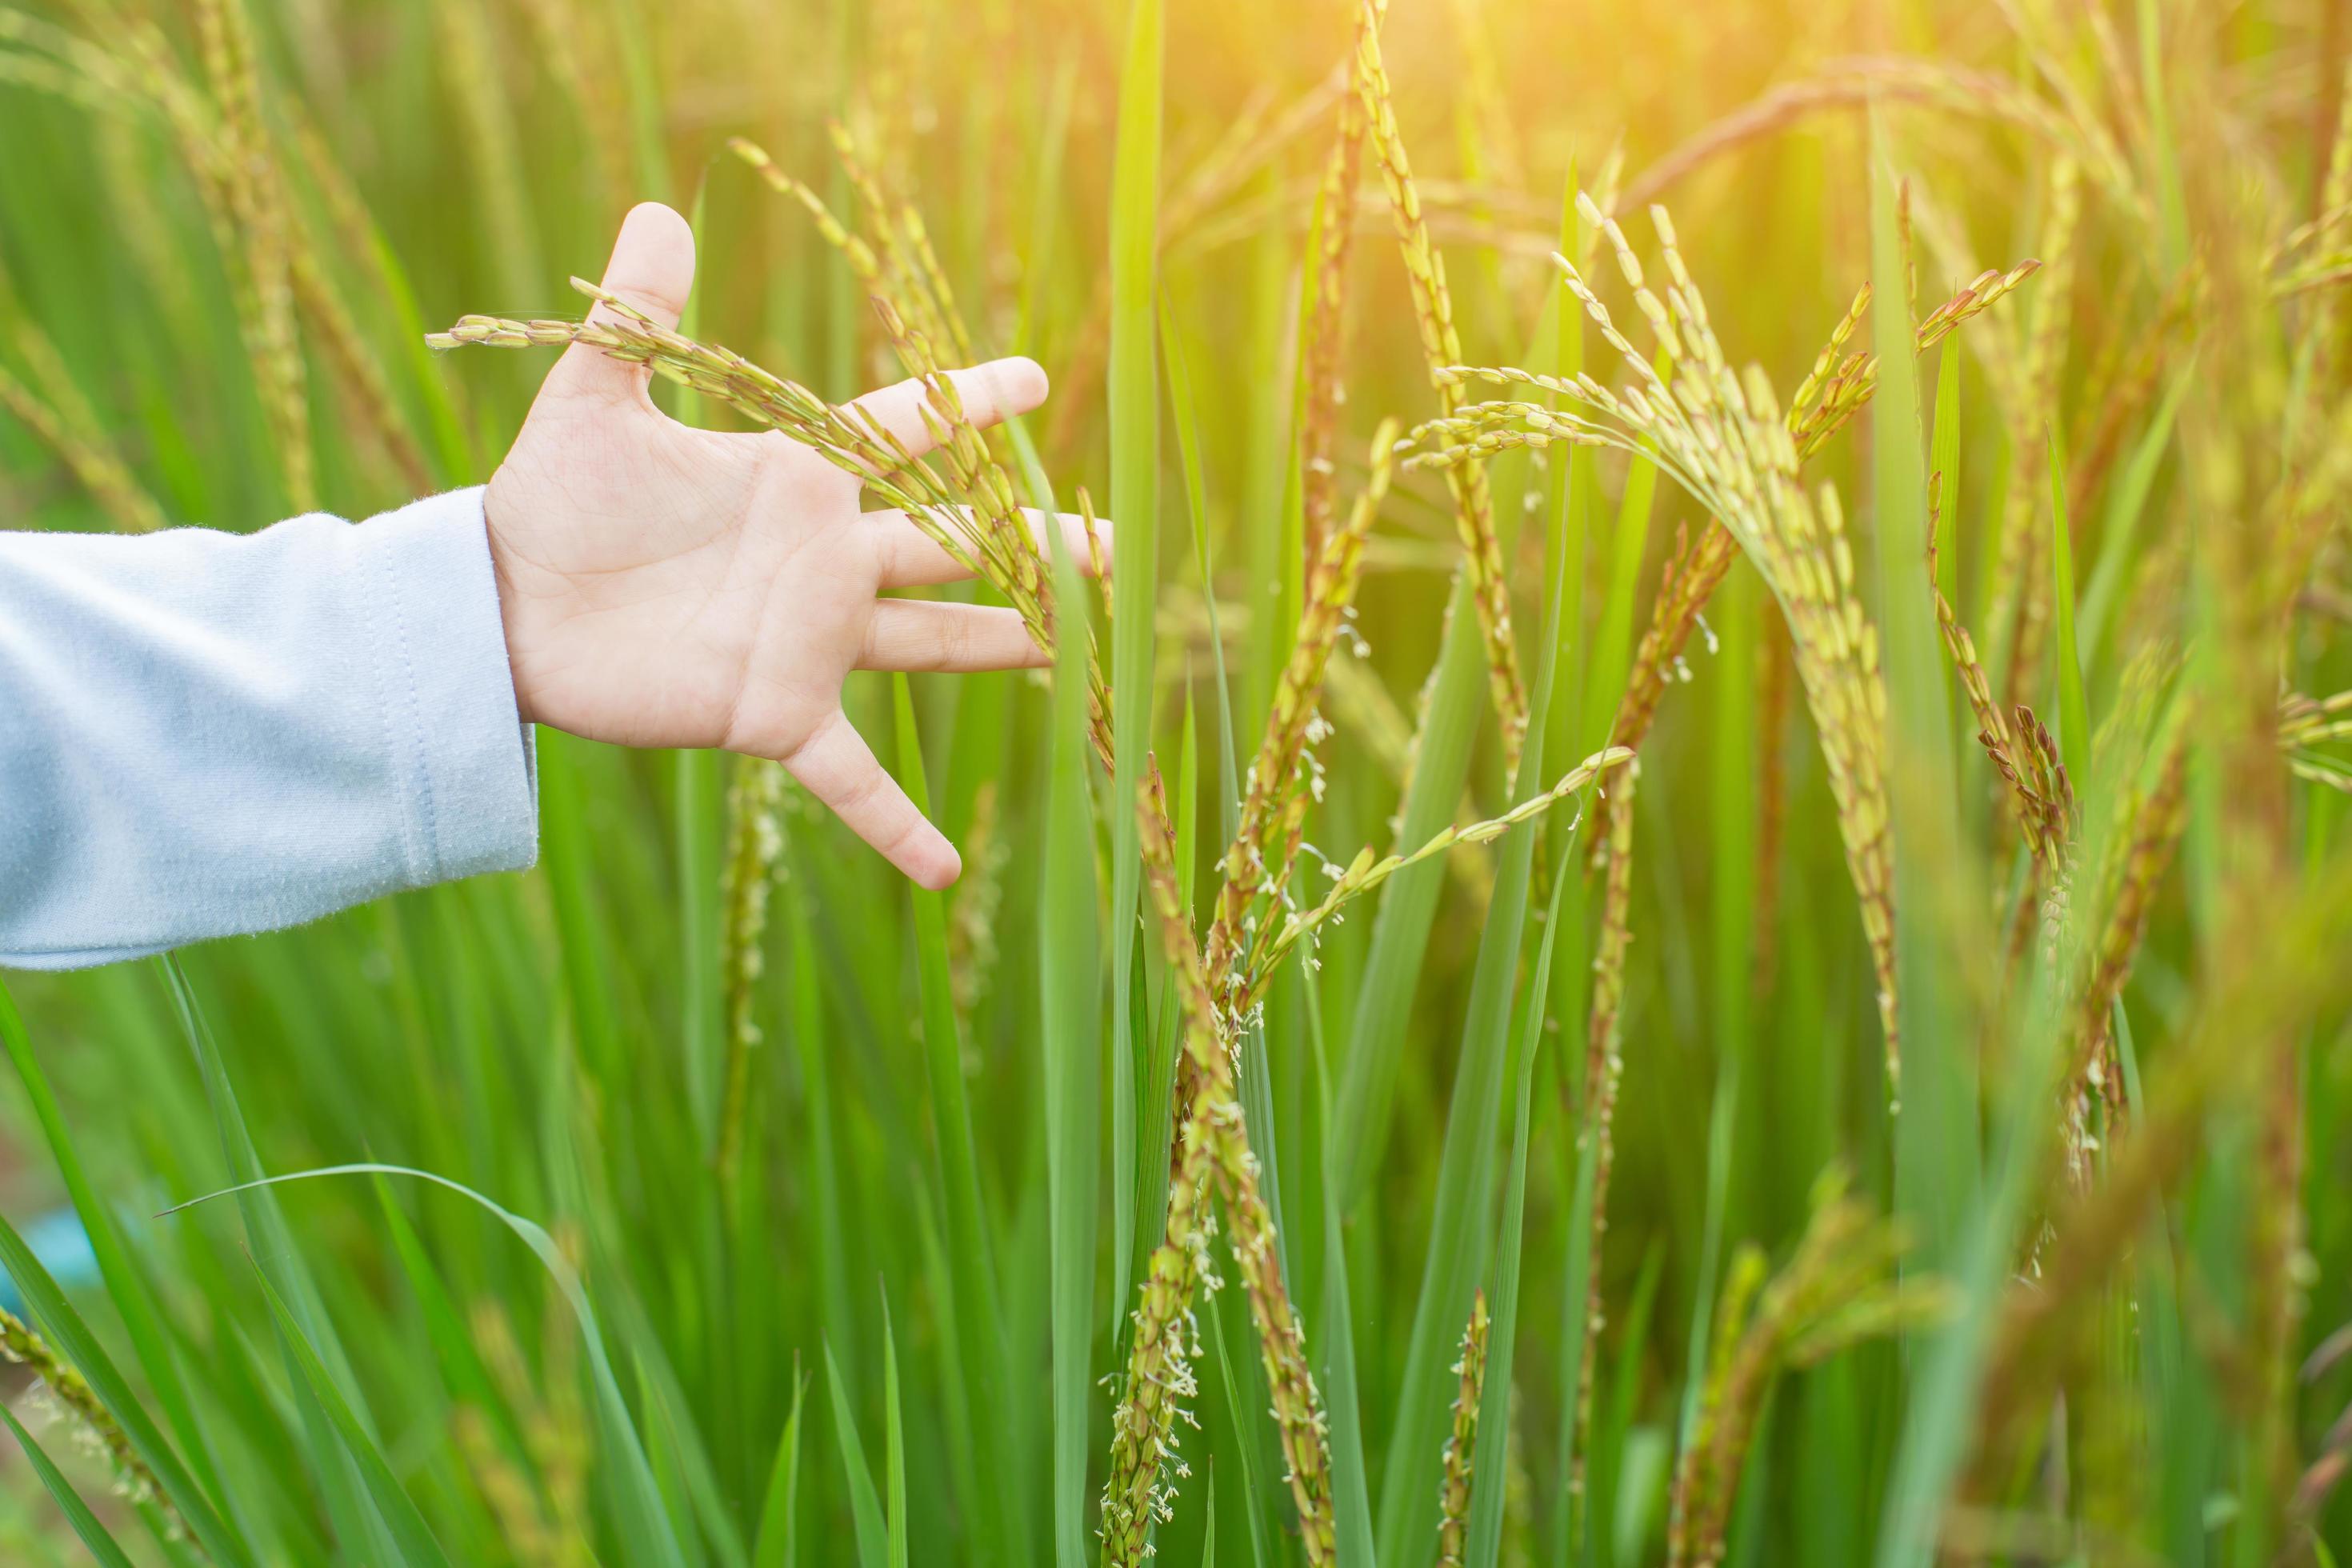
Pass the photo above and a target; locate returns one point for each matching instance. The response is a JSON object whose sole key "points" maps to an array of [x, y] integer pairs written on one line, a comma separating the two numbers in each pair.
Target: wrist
{"points": [[514, 600]]}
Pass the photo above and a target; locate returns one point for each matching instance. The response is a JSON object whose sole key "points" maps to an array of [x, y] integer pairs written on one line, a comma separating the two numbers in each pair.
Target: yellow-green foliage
{"points": [[795, 1254]]}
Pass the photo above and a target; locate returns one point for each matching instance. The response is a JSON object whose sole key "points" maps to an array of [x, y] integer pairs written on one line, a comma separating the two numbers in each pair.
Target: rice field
{"points": [[1678, 898]]}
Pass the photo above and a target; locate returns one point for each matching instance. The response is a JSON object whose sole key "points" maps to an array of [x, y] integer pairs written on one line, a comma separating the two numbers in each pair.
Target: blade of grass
{"points": [[636, 1501], [1351, 1507], [1245, 1413], [1466, 1175], [71, 1335], [1400, 929], [1945, 469], [358, 1523], [125, 1286], [1936, 1133], [978, 1324], [410, 1535], [2127, 504], [894, 1441], [777, 1545], [2074, 708], [1134, 389], [1069, 1027], [865, 1506], [1490, 1464], [103, 1547], [1139, 1187]]}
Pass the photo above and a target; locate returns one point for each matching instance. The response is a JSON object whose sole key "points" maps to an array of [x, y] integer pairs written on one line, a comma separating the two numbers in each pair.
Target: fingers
{"points": [[907, 557], [989, 392], [915, 635], [652, 268], [835, 765]]}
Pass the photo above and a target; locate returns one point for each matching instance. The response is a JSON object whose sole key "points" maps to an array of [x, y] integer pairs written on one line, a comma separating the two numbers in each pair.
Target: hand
{"points": [[667, 587]]}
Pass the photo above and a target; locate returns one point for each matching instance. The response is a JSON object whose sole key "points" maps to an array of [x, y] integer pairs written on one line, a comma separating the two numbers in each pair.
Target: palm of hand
{"points": [[663, 585]]}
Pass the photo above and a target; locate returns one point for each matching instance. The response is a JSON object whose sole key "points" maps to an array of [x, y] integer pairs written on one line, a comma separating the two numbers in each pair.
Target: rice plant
{"points": [[1498, 1010]]}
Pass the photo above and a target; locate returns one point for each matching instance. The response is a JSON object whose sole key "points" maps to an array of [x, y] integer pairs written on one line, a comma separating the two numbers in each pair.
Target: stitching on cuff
{"points": [[420, 763]]}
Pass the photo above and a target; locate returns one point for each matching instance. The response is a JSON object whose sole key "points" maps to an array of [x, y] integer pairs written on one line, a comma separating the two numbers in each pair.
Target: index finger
{"points": [[989, 392]]}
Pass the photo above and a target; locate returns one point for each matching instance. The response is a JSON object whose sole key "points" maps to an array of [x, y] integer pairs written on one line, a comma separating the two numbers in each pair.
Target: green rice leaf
{"points": [[865, 1505], [1069, 1030], [777, 1543], [2074, 708], [1134, 385], [103, 1547], [410, 1535], [636, 1500]]}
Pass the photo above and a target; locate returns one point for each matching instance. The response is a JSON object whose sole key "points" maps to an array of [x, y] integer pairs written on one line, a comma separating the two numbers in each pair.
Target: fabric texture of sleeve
{"points": [[204, 734]]}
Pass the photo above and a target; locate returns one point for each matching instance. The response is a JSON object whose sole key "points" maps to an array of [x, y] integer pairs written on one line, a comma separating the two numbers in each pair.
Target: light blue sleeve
{"points": [[202, 734]]}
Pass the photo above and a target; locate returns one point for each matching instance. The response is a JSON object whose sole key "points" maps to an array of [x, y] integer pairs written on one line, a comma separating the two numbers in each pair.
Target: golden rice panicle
{"points": [[1830, 400], [1724, 438], [1285, 777], [1212, 1146], [1840, 385], [987, 489], [853, 247], [1803, 406], [1473, 503], [1992, 724], [1165, 1343], [1839, 1287], [917, 279], [1462, 1439]]}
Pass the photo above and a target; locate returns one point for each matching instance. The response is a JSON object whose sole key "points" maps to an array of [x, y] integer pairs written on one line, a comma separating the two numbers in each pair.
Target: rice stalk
{"points": [[2124, 389], [1212, 1147], [914, 275], [1772, 796], [2041, 796], [256, 198], [572, 41], [64, 421], [1461, 1441], [1840, 1287], [755, 846], [1284, 779], [1253, 142], [1473, 505], [1327, 324], [2154, 821], [1857, 81], [1604, 1072], [2021, 596], [367, 393], [1365, 873], [2230, 1054]]}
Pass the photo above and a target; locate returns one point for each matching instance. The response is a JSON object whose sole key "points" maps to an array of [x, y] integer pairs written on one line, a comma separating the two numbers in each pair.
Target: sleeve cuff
{"points": [[467, 762]]}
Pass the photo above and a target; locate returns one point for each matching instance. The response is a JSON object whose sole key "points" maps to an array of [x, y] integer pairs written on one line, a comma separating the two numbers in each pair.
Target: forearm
{"points": [[202, 734]]}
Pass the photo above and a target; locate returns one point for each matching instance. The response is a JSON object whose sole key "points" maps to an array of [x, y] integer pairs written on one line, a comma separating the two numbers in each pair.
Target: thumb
{"points": [[652, 268]]}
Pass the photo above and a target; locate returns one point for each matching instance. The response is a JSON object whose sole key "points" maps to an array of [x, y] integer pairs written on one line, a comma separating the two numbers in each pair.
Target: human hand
{"points": [[663, 585]]}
